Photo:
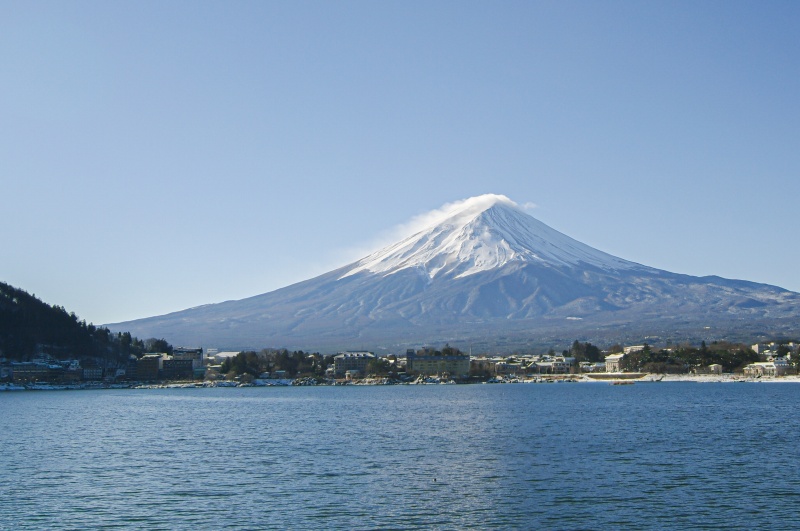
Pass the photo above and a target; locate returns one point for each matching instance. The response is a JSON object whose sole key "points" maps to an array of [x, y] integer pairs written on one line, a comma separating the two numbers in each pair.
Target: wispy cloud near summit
{"points": [[468, 207]]}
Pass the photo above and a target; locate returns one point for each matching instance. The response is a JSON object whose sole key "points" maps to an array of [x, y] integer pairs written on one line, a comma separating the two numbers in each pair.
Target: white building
{"points": [[632, 348], [779, 367], [614, 362]]}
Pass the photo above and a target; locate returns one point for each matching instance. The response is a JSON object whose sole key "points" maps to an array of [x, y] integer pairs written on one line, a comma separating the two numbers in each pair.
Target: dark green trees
{"points": [[29, 326], [296, 363]]}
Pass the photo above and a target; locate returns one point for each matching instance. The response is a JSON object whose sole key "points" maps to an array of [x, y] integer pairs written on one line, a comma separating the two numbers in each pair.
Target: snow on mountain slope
{"points": [[480, 234], [483, 270]]}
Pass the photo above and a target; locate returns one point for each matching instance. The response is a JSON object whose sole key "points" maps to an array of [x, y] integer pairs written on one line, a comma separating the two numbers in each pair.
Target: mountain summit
{"points": [[480, 234], [485, 272]]}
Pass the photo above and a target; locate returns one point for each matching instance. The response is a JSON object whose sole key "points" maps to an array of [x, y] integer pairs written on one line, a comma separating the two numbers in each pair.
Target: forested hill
{"points": [[29, 327]]}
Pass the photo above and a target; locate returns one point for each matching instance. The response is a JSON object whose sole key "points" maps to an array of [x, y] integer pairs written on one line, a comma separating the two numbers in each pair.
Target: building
{"points": [[588, 366], [508, 368], [778, 367], [195, 355], [714, 368], [614, 362], [177, 369], [149, 366], [633, 348], [482, 365], [130, 368], [93, 373], [428, 362], [553, 365], [219, 357], [351, 361], [36, 372]]}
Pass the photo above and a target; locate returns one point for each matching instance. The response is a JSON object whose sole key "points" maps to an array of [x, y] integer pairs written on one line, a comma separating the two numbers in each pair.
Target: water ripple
{"points": [[452, 457]]}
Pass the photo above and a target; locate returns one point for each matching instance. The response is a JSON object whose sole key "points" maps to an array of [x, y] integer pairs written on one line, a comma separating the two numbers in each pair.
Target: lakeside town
{"points": [[198, 367]]}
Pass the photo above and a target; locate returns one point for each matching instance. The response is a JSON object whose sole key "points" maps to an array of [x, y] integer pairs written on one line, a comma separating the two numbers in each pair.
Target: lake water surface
{"points": [[553, 456]]}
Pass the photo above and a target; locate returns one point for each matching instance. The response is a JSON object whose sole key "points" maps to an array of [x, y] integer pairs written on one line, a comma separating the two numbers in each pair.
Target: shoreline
{"points": [[302, 382], [729, 378]]}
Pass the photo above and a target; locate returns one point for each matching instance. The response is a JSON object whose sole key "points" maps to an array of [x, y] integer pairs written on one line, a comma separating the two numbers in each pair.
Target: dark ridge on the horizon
{"points": [[30, 327]]}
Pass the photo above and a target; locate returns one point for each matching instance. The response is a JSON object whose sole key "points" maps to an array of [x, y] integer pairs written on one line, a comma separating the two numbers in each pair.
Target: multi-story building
{"points": [[186, 353], [177, 369], [351, 361], [428, 362], [614, 362], [778, 367], [508, 368], [36, 372], [554, 365], [197, 358], [92, 373], [148, 367]]}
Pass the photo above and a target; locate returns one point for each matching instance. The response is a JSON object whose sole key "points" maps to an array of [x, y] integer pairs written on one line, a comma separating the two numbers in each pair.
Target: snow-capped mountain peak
{"points": [[479, 234], [482, 270]]}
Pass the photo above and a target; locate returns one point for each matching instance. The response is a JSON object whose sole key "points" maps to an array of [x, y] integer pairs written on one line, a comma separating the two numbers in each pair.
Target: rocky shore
{"points": [[310, 381]]}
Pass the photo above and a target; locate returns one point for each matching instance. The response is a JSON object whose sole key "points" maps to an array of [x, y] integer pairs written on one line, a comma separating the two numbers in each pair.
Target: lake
{"points": [[524, 456]]}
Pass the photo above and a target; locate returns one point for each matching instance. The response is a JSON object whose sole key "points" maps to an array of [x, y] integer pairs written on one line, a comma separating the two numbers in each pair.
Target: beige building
{"points": [[351, 361], [767, 368], [429, 364], [614, 362]]}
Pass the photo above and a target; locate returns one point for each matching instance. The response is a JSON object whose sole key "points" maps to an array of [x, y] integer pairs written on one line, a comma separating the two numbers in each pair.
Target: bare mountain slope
{"points": [[485, 272]]}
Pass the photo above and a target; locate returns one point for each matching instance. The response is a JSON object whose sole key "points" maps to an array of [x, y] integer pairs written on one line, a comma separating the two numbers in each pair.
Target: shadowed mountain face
{"points": [[488, 274]]}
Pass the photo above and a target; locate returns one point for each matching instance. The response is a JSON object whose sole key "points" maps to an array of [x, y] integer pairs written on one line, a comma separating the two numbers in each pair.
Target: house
{"points": [[553, 365], [614, 362], [588, 366], [767, 368], [714, 368], [568, 363], [506, 368]]}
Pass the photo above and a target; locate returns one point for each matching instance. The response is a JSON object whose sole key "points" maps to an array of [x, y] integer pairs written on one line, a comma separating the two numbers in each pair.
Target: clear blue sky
{"points": [[160, 155]]}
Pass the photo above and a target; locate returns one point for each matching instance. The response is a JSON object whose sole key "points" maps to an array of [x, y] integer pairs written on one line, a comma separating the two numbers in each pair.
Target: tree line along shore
{"points": [[40, 343]]}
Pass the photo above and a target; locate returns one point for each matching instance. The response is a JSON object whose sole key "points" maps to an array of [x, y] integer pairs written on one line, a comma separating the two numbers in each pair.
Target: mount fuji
{"points": [[488, 274]]}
